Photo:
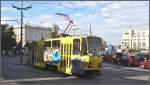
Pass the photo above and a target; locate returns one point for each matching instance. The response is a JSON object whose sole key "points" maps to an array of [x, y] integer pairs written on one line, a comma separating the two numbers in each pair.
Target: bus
{"points": [[71, 55]]}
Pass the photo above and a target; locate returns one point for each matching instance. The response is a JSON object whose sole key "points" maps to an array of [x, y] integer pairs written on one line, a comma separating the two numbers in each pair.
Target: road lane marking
{"points": [[108, 78], [37, 79], [111, 68], [145, 78], [12, 66], [136, 69], [122, 71], [4, 83]]}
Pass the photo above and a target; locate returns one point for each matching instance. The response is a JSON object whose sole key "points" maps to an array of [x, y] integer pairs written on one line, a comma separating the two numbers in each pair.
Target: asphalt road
{"points": [[14, 73]]}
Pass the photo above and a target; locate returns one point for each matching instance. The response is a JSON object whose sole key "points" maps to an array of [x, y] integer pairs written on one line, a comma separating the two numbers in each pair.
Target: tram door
{"points": [[66, 58]]}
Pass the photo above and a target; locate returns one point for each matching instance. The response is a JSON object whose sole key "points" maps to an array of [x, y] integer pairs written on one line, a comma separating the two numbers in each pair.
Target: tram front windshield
{"points": [[94, 46]]}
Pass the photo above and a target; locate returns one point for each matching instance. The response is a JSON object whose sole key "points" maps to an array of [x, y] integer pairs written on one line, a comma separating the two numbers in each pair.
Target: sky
{"points": [[108, 19]]}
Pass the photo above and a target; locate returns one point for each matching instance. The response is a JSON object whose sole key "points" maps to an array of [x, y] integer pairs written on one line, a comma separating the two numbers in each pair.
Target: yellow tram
{"points": [[70, 55]]}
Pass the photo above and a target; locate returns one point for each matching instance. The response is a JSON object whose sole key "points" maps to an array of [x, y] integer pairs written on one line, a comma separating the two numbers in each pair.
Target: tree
{"points": [[8, 39], [119, 46], [54, 31], [4, 28], [11, 31], [19, 45], [28, 45]]}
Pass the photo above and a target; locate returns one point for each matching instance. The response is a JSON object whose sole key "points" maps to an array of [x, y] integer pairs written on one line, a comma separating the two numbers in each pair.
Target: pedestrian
{"points": [[17, 52], [9, 52], [3, 53]]}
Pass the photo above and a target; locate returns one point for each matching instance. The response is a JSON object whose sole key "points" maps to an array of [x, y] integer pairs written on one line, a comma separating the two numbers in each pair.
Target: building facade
{"points": [[135, 39], [32, 33], [103, 45]]}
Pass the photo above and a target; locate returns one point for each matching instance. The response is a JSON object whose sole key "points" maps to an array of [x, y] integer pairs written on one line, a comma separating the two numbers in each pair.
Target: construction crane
{"points": [[66, 17]]}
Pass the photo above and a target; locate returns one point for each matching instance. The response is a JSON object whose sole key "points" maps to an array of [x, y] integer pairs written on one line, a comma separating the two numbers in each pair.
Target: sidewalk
{"points": [[16, 59]]}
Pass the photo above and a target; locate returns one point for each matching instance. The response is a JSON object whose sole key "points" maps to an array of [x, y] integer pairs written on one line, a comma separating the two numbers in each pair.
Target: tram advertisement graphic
{"points": [[52, 55]]}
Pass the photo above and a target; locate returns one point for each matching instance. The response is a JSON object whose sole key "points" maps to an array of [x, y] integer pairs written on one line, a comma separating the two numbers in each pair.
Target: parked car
{"points": [[139, 57], [145, 64], [146, 55], [116, 57], [107, 58], [129, 60]]}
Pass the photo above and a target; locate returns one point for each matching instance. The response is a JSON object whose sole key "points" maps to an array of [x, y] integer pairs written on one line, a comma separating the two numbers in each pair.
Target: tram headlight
{"points": [[100, 65], [90, 65], [91, 54]]}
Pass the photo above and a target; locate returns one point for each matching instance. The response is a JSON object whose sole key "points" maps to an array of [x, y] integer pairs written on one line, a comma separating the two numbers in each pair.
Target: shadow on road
{"points": [[13, 72]]}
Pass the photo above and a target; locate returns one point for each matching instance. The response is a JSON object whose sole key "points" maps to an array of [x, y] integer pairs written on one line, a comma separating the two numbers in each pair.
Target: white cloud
{"points": [[116, 18], [122, 5], [48, 21], [4, 20], [90, 4], [67, 4], [42, 20], [6, 9], [110, 20], [78, 14], [123, 12], [87, 3]]}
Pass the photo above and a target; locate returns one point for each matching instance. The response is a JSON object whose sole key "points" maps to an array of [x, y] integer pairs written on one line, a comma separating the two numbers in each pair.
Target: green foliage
{"points": [[28, 45], [119, 46], [8, 38], [54, 31]]}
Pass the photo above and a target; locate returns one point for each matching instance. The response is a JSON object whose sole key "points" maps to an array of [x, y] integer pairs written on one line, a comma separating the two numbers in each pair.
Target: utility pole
{"points": [[90, 29], [75, 30], [138, 40], [21, 9], [131, 36]]}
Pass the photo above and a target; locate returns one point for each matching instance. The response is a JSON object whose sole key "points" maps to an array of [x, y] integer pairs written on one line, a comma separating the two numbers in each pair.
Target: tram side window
{"points": [[84, 46], [47, 44], [56, 44], [76, 46]]}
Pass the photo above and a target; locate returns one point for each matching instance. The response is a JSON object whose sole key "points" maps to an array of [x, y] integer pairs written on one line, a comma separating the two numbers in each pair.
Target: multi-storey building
{"points": [[32, 33], [135, 39]]}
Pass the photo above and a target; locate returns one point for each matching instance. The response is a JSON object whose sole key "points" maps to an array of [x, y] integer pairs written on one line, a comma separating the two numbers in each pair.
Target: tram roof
{"points": [[69, 37], [78, 36]]}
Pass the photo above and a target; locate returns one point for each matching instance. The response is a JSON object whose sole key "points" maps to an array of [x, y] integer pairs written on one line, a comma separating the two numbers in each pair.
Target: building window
{"points": [[126, 33], [143, 34], [143, 44], [139, 35], [139, 44], [134, 44], [122, 43]]}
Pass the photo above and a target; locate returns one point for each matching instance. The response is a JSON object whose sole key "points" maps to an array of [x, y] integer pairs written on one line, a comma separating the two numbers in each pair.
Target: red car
{"points": [[128, 59], [145, 64], [107, 58]]}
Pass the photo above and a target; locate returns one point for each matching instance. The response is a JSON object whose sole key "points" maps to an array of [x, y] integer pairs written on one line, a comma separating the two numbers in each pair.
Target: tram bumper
{"points": [[93, 72]]}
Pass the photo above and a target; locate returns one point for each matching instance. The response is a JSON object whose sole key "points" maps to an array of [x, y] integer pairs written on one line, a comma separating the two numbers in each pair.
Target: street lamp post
{"points": [[21, 9], [90, 30], [75, 30]]}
